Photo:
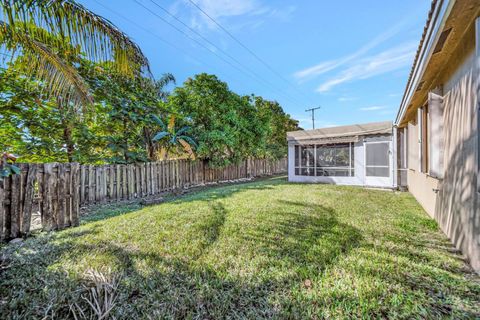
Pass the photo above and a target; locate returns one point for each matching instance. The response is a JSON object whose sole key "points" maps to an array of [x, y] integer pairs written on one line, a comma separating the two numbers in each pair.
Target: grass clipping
{"points": [[99, 295]]}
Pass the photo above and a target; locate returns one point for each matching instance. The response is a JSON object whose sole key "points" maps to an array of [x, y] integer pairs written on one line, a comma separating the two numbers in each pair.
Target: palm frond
{"points": [[100, 39], [39, 60], [189, 140], [186, 146], [165, 80], [159, 122], [182, 130], [160, 135], [160, 84]]}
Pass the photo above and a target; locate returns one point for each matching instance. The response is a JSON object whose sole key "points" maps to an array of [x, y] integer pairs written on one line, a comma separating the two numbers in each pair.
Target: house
{"points": [[433, 148], [438, 124], [359, 154]]}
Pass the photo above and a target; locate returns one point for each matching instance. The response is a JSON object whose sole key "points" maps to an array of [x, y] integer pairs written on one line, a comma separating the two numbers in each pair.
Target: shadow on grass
{"points": [[178, 286], [300, 239], [205, 193], [102, 212], [307, 239], [210, 193]]}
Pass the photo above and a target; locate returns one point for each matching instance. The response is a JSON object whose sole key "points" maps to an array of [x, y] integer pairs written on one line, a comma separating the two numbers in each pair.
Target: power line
{"points": [[245, 47], [250, 74], [222, 51], [153, 34], [160, 38], [191, 38]]}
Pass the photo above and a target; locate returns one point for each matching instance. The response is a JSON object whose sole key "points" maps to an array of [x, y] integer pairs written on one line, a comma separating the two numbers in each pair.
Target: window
{"points": [[332, 160], [435, 134], [377, 159], [412, 145], [423, 138], [402, 155]]}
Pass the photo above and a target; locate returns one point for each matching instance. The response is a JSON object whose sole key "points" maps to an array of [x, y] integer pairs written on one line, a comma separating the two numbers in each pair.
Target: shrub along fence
{"points": [[55, 191]]}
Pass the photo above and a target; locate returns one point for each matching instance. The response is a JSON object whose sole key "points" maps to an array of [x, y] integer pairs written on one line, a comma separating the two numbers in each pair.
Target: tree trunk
{"points": [[67, 137], [67, 125], [149, 145]]}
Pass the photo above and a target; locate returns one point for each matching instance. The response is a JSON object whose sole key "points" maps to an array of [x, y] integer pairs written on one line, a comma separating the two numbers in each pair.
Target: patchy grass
{"points": [[267, 249]]}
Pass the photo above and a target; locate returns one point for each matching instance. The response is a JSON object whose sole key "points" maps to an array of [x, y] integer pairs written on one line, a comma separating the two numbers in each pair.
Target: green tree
{"points": [[30, 124], [110, 130], [227, 127], [158, 89], [278, 124], [126, 105]]}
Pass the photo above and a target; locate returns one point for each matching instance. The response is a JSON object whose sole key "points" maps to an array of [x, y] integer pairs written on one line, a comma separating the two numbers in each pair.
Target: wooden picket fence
{"points": [[55, 191]]}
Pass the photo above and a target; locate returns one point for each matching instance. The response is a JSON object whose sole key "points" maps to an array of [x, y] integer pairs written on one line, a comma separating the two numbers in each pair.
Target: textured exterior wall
{"points": [[456, 205], [422, 186]]}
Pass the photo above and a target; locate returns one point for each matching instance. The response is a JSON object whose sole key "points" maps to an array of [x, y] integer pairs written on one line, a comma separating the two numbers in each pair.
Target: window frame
{"points": [[388, 166], [423, 143], [298, 164]]}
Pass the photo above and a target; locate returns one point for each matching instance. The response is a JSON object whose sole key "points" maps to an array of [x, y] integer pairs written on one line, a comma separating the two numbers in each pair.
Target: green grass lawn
{"points": [[266, 249]]}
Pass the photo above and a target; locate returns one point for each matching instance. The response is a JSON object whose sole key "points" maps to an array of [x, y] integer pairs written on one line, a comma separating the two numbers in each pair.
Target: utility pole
{"points": [[313, 114]]}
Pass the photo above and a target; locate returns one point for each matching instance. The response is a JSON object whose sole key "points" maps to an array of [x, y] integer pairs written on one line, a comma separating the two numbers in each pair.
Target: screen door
{"points": [[378, 164]]}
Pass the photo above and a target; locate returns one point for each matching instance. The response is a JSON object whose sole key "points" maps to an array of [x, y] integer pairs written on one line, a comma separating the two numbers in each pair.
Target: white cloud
{"points": [[373, 108], [226, 8], [223, 9], [326, 66], [318, 69], [283, 14], [346, 99], [367, 67]]}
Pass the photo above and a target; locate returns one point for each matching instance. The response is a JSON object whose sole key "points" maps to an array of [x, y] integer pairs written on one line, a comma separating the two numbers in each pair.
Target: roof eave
{"points": [[429, 40]]}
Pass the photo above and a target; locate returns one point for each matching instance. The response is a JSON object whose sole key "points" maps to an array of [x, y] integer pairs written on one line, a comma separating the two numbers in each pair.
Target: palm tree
{"points": [[158, 88], [41, 32], [173, 140], [160, 84]]}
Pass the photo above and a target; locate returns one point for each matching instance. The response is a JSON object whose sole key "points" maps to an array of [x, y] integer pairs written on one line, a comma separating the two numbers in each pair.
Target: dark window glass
{"points": [[329, 172], [297, 156], [304, 156], [307, 172]]}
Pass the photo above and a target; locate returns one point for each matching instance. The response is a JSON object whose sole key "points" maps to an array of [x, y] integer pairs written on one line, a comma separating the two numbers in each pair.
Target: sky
{"points": [[352, 58]]}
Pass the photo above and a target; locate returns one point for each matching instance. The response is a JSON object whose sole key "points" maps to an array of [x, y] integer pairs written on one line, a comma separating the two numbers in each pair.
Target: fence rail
{"points": [[54, 192]]}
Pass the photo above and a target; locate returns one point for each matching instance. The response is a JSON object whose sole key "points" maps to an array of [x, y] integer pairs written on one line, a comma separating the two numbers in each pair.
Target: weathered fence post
{"points": [[29, 194], [62, 188], [2, 208], [75, 201]]}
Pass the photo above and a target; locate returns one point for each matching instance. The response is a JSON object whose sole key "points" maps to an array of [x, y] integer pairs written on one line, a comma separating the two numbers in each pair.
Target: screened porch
{"points": [[353, 155]]}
